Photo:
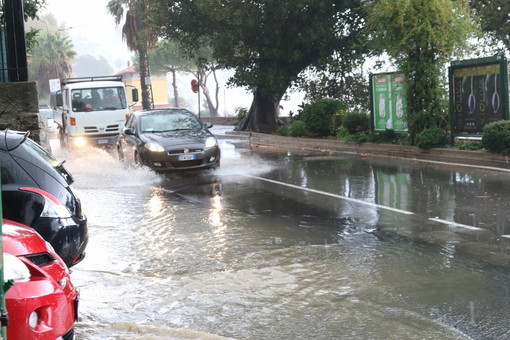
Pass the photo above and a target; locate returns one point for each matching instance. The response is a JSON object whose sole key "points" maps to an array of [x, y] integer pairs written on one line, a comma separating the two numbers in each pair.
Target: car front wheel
{"points": [[138, 159], [120, 153]]}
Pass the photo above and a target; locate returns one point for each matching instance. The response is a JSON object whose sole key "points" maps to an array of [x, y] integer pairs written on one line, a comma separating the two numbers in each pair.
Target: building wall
{"points": [[159, 91], [19, 110]]}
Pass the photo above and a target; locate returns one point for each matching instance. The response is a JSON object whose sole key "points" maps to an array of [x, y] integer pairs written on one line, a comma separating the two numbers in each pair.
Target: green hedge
{"points": [[496, 137]]}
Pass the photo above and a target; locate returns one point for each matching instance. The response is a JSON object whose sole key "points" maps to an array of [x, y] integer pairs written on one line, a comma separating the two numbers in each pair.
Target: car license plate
{"points": [[102, 141], [186, 157]]}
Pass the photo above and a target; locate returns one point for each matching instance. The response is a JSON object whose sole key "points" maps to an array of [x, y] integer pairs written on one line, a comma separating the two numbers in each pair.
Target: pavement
{"points": [[461, 158]]}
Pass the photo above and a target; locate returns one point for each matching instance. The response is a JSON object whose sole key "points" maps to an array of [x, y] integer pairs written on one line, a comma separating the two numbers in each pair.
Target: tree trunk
{"points": [[262, 116], [144, 73], [174, 85], [202, 77]]}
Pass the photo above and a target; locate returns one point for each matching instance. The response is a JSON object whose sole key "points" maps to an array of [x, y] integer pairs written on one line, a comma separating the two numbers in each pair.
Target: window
{"points": [[98, 99]]}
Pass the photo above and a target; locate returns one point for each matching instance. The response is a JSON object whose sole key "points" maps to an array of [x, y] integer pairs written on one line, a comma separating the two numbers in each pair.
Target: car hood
{"points": [[19, 239], [173, 138]]}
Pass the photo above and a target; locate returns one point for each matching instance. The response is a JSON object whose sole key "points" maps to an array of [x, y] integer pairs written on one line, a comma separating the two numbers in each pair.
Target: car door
{"points": [[128, 139]]}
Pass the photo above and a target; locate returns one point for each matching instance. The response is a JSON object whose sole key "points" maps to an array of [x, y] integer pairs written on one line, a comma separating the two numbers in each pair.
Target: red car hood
{"points": [[19, 239]]}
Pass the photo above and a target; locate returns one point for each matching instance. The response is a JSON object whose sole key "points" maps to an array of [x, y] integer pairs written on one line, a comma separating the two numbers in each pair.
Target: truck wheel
{"points": [[63, 140], [120, 153]]}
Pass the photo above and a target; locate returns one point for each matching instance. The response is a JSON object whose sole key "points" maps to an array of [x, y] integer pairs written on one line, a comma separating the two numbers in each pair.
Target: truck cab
{"points": [[91, 110]]}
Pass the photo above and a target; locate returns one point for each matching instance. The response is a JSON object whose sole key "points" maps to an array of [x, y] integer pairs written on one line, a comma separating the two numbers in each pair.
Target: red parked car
{"points": [[42, 303]]}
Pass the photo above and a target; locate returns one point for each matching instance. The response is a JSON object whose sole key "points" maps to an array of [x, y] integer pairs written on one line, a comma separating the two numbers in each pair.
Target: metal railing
{"points": [[13, 63], [3, 49]]}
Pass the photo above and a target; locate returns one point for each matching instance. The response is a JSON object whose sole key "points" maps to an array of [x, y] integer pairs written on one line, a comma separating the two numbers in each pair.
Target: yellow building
{"points": [[158, 88]]}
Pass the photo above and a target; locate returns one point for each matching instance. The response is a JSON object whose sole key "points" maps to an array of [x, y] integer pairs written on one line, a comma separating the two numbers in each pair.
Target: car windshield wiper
{"points": [[63, 171]]}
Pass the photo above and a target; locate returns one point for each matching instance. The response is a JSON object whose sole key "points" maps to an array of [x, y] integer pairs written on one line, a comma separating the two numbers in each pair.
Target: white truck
{"points": [[91, 110]]}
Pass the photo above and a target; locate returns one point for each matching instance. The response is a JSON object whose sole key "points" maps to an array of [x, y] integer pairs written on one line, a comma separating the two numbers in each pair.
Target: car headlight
{"points": [[79, 141], [154, 147], [15, 269], [210, 142]]}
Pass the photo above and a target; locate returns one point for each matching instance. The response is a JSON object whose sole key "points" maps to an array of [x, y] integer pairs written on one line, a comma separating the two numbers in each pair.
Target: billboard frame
{"points": [[473, 122]]}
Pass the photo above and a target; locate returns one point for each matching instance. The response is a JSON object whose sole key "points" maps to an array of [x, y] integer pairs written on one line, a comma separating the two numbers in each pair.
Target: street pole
{"points": [[3, 309], [198, 75]]}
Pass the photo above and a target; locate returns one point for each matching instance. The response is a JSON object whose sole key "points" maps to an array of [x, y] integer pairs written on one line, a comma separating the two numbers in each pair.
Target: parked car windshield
{"points": [[36, 151], [98, 99], [169, 121]]}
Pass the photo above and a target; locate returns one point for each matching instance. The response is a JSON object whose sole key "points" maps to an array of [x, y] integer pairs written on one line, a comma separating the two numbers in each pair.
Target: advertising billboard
{"points": [[388, 102], [478, 94]]}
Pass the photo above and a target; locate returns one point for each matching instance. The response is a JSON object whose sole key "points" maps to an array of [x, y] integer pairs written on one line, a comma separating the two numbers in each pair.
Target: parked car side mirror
{"points": [[128, 131], [208, 125]]}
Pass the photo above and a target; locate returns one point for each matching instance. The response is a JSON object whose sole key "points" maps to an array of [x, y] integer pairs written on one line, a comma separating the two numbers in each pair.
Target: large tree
{"points": [[421, 35], [494, 18], [267, 43], [136, 36]]}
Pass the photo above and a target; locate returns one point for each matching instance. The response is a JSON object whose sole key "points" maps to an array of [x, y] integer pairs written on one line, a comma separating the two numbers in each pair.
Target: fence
{"points": [[3, 49], [13, 57]]}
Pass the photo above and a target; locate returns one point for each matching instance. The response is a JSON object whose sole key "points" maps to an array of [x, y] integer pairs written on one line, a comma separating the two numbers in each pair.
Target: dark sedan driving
{"points": [[168, 140]]}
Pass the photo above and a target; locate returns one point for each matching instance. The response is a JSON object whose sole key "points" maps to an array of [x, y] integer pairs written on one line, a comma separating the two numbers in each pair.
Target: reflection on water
{"points": [[219, 254]]}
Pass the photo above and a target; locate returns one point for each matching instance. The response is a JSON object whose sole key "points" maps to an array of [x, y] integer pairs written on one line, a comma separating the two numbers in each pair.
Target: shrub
{"points": [[386, 136], [473, 146], [337, 119], [356, 123], [341, 132], [317, 115], [297, 129], [283, 130], [432, 138], [241, 113], [496, 137]]}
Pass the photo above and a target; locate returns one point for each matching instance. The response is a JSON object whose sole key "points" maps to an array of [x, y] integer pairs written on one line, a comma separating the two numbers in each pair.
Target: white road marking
{"points": [[345, 198], [438, 220], [453, 224]]}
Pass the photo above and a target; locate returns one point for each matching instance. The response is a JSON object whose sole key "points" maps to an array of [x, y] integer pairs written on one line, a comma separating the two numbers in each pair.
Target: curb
{"points": [[479, 158]]}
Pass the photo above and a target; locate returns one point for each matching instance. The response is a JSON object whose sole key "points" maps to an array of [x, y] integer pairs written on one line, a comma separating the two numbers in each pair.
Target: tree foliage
{"points": [[267, 43], [51, 59], [170, 57], [421, 35], [494, 18], [137, 37]]}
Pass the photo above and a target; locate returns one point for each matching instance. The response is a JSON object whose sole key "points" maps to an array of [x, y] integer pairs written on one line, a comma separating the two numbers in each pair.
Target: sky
{"points": [[93, 31]]}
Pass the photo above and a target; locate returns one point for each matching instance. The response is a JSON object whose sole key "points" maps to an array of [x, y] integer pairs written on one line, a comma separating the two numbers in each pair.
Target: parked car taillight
{"points": [[53, 207]]}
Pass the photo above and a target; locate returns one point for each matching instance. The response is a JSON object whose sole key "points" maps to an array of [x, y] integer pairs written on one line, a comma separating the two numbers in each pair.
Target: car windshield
{"points": [[35, 150], [98, 99], [169, 121]]}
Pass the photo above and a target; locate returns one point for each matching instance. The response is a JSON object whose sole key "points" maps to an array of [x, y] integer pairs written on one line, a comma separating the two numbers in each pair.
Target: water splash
{"points": [[100, 168]]}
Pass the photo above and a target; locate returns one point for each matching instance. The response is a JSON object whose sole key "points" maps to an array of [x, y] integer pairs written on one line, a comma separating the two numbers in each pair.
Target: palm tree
{"points": [[51, 59], [137, 39]]}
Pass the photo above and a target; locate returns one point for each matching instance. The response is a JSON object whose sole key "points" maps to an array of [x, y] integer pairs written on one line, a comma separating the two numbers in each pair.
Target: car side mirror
{"points": [[134, 95], [129, 132], [208, 125], [59, 101]]}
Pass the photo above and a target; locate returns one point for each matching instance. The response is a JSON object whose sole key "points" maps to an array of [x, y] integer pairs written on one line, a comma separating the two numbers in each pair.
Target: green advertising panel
{"points": [[388, 102], [478, 94]]}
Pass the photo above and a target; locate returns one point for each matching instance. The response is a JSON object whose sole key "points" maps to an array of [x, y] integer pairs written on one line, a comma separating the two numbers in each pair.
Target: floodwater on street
{"points": [[287, 246]]}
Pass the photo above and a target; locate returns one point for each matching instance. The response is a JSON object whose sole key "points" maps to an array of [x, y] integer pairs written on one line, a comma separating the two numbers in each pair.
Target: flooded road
{"points": [[283, 246]]}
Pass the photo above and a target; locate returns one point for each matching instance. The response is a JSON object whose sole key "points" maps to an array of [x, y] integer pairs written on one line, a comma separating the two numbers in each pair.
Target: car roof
{"points": [[11, 139], [160, 111]]}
